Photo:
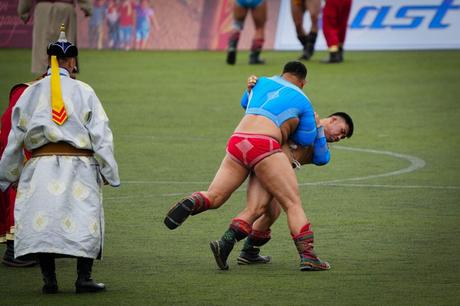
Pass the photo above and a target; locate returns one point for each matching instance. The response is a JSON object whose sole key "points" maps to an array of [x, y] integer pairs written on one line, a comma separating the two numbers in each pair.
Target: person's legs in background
{"points": [[259, 15], [239, 15]]}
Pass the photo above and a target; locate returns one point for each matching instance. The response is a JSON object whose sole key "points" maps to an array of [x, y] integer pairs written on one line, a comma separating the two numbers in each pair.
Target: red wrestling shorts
{"points": [[249, 149]]}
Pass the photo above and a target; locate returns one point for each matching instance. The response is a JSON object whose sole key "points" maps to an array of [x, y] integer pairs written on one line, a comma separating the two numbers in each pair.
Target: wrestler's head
{"points": [[296, 73], [337, 126]]}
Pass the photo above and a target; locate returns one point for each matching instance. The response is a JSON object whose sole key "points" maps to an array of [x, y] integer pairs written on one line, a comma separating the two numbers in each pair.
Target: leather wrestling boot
{"points": [[179, 213], [23, 261], [48, 269], [84, 283], [194, 204], [221, 250], [250, 256], [309, 261]]}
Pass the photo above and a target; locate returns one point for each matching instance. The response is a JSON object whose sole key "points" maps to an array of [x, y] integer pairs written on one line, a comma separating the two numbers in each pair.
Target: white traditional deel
{"points": [[56, 211]]}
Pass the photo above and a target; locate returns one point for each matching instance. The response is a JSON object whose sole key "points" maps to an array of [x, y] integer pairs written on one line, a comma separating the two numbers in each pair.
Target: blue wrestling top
{"points": [[280, 100], [249, 3]]}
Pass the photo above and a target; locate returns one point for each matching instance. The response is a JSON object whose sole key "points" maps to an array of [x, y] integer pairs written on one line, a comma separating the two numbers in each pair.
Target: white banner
{"points": [[385, 25]]}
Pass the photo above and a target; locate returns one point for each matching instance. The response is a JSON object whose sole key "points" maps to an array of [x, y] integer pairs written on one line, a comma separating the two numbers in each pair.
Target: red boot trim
{"points": [[241, 225], [200, 203], [261, 234], [305, 229], [257, 44]]}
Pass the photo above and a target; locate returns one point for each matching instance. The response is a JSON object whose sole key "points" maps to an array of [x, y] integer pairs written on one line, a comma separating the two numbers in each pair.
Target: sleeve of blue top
{"points": [[321, 154], [244, 99], [305, 133]]}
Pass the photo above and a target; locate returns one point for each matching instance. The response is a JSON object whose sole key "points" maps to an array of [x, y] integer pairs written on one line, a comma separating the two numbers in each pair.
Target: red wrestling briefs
{"points": [[249, 149]]}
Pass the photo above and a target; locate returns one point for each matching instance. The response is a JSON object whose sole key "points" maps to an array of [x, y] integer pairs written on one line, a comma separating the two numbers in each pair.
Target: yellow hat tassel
{"points": [[59, 114]]}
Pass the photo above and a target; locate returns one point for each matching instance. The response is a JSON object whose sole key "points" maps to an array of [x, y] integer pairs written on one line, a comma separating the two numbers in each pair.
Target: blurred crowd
{"points": [[121, 24]]}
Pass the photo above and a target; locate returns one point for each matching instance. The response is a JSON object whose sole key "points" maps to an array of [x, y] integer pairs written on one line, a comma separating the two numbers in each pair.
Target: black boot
{"points": [[23, 261], [254, 58], [84, 282], [232, 47], [308, 43], [334, 58], [238, 230], [48, 269], [251, 255], [221, 249], [341, 53]]}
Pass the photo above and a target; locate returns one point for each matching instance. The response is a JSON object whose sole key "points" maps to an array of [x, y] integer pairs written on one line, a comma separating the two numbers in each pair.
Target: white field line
{"points": [[415, 163]]}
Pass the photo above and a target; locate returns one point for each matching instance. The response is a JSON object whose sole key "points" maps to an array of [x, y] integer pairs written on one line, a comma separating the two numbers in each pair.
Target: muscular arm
{"points": [[317, 154], [305, 134], [321, 154]]}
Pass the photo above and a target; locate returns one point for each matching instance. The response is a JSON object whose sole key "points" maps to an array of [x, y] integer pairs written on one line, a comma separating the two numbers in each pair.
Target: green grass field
{"points": [[386, 210]]}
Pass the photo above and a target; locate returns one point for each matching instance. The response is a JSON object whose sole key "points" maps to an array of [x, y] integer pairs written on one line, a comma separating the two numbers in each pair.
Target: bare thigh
{"points": [[297, 15], [239, 12], [259, 15], [228, 178], [257, 200], [277, 176]]}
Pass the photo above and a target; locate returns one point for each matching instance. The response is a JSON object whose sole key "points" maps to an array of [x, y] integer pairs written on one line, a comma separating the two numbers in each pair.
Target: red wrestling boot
{"points": [[308, 259]]}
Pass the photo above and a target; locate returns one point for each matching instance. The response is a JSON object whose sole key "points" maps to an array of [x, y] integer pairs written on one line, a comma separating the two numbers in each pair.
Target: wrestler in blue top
{"points": [[266, 100], [249, 3]]}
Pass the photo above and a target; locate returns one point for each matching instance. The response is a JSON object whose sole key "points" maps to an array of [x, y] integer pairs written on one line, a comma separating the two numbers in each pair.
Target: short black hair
{"points": [[296, 68], [348, 121]]}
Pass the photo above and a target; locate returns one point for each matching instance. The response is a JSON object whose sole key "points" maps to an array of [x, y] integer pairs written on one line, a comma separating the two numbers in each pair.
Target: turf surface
{"points": [[386, 210]]}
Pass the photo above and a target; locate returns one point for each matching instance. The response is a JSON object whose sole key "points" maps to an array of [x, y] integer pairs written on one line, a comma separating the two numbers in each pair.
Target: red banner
{"points": [[13, 32], [147, 24]]}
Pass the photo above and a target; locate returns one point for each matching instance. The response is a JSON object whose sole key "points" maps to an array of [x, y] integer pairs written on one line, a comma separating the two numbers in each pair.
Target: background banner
{"points": [[386, 25], [206, 24]]}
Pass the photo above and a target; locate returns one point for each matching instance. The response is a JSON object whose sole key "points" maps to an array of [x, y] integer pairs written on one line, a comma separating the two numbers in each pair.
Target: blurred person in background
{"points": [[335, 23], [298, 9], [112, 16], [48, 16], [96, 24], [126, 12], [258, 10], [145, 19]]}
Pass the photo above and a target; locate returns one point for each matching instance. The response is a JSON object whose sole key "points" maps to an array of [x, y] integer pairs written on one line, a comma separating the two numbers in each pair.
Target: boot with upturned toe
{"points": [[84, 283]]}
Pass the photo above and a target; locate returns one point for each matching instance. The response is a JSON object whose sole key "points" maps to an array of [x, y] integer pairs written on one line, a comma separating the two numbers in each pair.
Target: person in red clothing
{"points": [[8, 197], [335, 21], [126, 23]]}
